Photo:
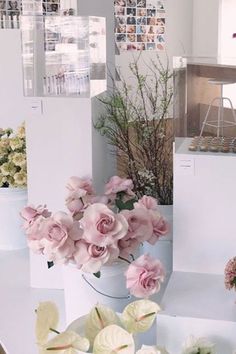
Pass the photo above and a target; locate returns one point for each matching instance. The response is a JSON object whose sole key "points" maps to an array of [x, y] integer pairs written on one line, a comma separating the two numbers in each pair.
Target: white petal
{"points": [[94, 324], [139, 315], [47, 317], [69, 339], [113, 339]]}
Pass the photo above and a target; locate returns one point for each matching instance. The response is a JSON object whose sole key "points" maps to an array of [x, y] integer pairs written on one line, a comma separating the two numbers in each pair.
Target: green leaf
{"points": [[129, 205], [97, 275], [50, 264]]}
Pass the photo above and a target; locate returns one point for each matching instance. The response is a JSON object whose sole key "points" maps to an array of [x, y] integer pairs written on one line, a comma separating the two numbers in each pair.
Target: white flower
{"points": [[20, 178], [16, 143], [8, 169], [47, 320], [67, 342], [18, 158], [151, 350], [198, 346]]}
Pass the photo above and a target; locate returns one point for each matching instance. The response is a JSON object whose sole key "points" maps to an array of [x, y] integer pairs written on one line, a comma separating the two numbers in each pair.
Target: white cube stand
{"points": [[196, 301]]}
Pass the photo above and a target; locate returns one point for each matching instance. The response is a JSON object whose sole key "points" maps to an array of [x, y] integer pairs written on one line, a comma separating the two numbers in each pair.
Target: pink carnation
{"points": [[128, 246], [144, 276], [160, 226], [74, 203], [117, 184], [230, 274], [90, 258], [30, 214]]}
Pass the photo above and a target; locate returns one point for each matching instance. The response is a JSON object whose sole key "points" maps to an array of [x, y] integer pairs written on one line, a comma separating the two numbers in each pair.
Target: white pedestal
{"points": [[196, 301], [197, 304]]}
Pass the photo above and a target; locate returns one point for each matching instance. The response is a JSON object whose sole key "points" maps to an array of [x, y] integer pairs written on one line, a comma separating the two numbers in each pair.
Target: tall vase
{"points": [[12, 200], [82, 290]]}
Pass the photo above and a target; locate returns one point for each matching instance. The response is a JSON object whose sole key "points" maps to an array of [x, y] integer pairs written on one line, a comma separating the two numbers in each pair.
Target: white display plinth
{"points": [[197, 304], [196, 301]]}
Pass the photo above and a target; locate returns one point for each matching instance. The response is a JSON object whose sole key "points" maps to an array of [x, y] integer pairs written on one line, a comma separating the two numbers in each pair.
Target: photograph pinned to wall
{"points": [[140, 22]]}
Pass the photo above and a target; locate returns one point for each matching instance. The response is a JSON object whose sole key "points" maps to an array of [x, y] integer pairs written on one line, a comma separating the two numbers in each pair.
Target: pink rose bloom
{"points": [[117, 184], [82, 186], [147, 202], [90, 258], [144, 276], [60, 233], [30, 214], [160, 227], [128, 246], [101, 226], [35, 235], [74, 203], [140, 224]]}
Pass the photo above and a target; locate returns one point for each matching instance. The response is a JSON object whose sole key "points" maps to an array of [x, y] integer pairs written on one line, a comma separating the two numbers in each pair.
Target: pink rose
{"points": [[144, 276], [74, 203], [90, 258], [140, 224], [59, 234], [160, 227], [101, 226], [128, 246], [30, 214], [35, 235], [147, 202], [82, 186], [117, 184]]}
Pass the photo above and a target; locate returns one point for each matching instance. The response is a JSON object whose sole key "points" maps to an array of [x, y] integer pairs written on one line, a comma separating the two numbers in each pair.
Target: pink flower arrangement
{"points": [[230, 274], [99, 230]]}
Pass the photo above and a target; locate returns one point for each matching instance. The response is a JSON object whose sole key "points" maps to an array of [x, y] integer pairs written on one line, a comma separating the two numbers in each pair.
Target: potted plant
{"points": [[13, 192], [137, 122], [100, 239]]}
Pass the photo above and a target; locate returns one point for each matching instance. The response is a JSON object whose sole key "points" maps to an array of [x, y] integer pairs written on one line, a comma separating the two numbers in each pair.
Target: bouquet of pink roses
{"points": [[99, 230]]}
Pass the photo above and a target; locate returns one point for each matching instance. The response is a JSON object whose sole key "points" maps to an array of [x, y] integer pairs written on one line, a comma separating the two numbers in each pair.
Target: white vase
{"points": [[82, 290], [163, 249], [12, 236]]}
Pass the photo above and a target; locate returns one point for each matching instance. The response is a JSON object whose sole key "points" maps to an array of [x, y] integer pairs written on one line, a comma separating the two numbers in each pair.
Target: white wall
{"points": [[205, 27]]}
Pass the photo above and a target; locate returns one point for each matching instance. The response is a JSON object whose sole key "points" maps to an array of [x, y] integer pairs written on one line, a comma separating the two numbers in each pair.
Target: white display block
{"points": [[204, 209], [197, 304]]}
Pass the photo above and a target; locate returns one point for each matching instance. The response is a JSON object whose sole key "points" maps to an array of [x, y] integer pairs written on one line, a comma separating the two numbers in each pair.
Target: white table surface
{"points": [[18, 302]]}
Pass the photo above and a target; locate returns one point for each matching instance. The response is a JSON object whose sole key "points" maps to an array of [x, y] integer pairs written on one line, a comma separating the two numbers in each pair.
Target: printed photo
{"points": [[141, 38], [160, 5], [131, 20], [151, 21], [151, 4], [151, 13], [120, 3], [141, 29], [141, 46], [121, 37], [121, 29], [160, 30], [160, 21], [160, 46], [120, 11], [151, 38], [141, 20], [151, 46], [131, 3], [131, 11], [151, 29], [131, 46], [160, 38], [122, 46], [120, 21], [131, 37], [141, 3], [131, 29], [141, 12]]}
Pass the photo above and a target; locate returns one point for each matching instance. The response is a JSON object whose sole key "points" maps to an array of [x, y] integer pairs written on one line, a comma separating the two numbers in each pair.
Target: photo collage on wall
{"points": [[140, 24]]}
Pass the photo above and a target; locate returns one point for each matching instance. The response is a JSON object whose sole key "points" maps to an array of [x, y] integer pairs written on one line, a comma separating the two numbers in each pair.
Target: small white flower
{"points": [[195, 345]]}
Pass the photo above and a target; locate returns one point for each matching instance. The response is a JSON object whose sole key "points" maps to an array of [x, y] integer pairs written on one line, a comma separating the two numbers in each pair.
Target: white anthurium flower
{"points": [[47, 321], [67, 342], [98, 318], [139, 315], [146, 349], [195, 345], [113, 340]]}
